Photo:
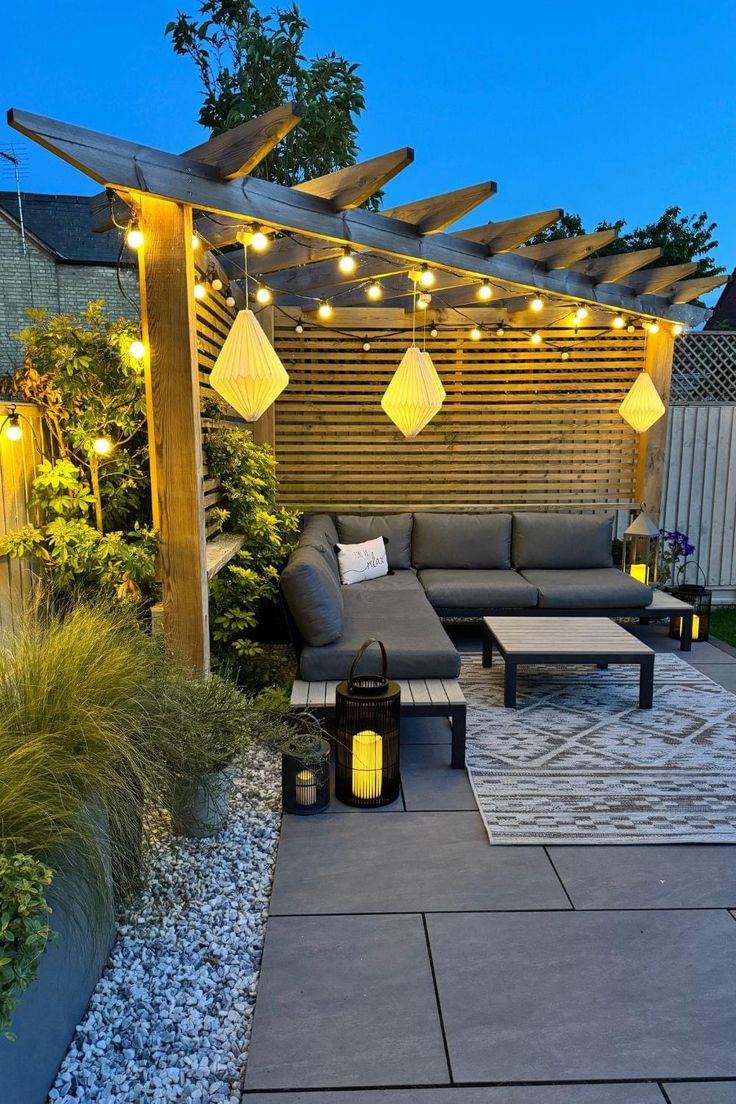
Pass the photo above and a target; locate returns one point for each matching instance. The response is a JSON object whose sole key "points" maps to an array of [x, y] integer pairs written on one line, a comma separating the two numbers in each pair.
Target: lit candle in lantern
{"points": [[639, 571], [306, 788], [679, 624], [367, 764]]}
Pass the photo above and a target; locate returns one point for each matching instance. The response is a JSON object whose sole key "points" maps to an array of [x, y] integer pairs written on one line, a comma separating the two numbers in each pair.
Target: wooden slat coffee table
{"points": [[559, 640]]}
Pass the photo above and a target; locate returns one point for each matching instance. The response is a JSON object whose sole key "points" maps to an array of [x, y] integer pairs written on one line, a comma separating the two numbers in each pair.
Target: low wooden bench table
{"points": [[419, 698], [558, 640]]}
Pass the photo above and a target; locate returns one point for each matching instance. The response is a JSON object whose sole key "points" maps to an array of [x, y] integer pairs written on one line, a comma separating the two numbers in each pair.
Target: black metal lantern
{"points": [[367, 721], [305, 776], [700, 598]]}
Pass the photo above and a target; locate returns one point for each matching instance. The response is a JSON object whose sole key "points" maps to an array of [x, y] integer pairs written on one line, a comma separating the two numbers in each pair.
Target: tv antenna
{"points": [[12, 163]]}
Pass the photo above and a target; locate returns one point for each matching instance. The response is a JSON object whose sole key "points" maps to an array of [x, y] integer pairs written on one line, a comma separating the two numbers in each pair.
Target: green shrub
{"points": [[24, 928], [203, 724]]}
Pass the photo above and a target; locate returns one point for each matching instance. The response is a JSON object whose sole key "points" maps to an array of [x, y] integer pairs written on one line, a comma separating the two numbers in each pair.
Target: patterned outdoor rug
{"points": [[579, 762]]}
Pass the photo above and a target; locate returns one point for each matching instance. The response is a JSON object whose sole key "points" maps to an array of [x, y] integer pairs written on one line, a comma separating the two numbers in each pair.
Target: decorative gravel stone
{"points": [[171, 1016]]}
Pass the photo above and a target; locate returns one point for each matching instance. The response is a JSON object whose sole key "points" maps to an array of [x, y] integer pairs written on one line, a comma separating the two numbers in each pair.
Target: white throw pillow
{"points": [[360, 562]]}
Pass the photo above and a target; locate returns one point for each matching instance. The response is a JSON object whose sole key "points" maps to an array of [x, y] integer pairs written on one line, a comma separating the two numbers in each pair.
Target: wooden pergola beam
{"points": [[130, 167], [614, 269], [684, 291], [352, 186], [652, 280], [325, 275], [508, 234], [436, 213], [566, 252]]}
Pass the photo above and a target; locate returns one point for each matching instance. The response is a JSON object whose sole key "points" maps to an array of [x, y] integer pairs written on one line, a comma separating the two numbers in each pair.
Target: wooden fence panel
{"points": [[520, 425], [18, 460]]}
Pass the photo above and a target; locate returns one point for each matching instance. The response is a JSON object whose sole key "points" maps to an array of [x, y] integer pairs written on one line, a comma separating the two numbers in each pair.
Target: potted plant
{"points": [[24, 928]]}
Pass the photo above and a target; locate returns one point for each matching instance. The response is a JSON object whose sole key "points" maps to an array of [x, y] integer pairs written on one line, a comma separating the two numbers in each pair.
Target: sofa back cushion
{"points": [[561, 541], [475, 541], [319, 532], [394, 528], [314, 596]]}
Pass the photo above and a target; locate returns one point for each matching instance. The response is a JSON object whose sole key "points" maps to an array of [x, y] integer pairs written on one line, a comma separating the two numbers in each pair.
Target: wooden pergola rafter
{"points": [[211, 188]]}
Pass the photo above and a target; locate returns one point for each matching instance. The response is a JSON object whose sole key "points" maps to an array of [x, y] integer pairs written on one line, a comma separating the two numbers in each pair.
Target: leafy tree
{"points": [[249, 62], [681, 237]]}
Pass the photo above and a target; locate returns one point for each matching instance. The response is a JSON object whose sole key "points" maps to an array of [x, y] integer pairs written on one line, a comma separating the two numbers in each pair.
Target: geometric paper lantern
{"points": [[642, 407], [415, 393], [248, 373]]}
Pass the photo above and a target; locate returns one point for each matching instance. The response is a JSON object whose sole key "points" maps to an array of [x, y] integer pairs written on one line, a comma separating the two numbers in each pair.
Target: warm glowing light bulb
{"points": [[102, 445], [366, 346], [426, 277], [13, 431], [299, 328], [653, 328], [537, 303], [433, 332], [324, 310], [199, 290], [618, 322], [536, 338], [475, 334], [631, 328], [485, 291], [230, 299], [137, 349], [678, 328], [500, 331], [196, 241], [134, 237], [564, 356], [581, 313], [259, 240], [346, 263], [423, 300], [263, 295], [217, 284], [374, 290]]}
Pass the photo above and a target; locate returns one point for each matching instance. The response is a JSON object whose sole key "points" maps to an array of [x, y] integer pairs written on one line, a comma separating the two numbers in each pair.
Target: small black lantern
{"points": [[367, 722], [700, 598], [305, 775]]}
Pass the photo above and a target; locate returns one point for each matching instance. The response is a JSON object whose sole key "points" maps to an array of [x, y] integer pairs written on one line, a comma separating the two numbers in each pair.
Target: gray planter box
{"points": [[49, 1011]]}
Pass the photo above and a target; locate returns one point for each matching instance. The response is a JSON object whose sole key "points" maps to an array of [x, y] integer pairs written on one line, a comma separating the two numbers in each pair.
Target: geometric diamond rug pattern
{"points": [[579, 762]]}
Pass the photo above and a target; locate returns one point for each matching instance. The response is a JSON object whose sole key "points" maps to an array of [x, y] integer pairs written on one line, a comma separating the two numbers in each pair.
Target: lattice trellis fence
{"points": [[699, 494]]}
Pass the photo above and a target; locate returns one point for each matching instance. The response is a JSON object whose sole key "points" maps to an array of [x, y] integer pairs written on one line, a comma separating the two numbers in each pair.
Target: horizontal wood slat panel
{"points": [[520, 426]]}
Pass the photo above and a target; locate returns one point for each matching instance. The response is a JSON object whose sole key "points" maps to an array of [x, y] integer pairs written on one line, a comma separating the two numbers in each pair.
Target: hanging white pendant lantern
{"points": [[643, 406], [415, 393], [248, 373]]}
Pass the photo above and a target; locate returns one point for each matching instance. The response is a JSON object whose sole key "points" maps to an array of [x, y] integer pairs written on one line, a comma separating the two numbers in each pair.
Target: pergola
{"points": [[210, 189]]}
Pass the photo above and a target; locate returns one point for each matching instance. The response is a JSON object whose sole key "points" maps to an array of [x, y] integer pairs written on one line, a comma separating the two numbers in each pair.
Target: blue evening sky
{"points": [[610, 110]]}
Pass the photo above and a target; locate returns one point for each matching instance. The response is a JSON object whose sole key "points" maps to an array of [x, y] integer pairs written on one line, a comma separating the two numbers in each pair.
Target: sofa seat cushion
{"points": [[589, 588], [394, 528], [313, 595], [416, 643], [474, 541], [448, 589], [561, 541], [387, 584]]}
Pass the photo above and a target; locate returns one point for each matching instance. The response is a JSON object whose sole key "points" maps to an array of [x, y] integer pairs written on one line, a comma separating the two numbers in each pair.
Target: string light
{"points": [[13, 430], [433, 332], [216, 283], [426, 276], [631, 328], [366, 346], [196, 241], [500, 331], [346, 263], [200, 290], [137, 349], [324, 310], [263, 295], [485, 291], [230, 297], [581, 313], [253, 237], [564, 356], [475, 334], [134, 236], [536, 338], [536, 303], [678, 328], [374, 290], [423, 300], [299, 328], [618, 321], [652, 327], [102, 445]]}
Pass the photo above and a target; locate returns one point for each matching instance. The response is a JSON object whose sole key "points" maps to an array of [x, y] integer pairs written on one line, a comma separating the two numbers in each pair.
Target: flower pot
{"points": [[199, 805]]}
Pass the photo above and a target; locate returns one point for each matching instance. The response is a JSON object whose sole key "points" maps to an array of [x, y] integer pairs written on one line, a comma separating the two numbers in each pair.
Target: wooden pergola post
{"points": [[652, 445], [166, 267]]}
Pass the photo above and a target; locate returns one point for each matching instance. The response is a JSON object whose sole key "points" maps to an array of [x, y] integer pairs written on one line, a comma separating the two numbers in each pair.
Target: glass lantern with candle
{"points": [[700, 598], [639, 548], [367, 722], [305, 775]]}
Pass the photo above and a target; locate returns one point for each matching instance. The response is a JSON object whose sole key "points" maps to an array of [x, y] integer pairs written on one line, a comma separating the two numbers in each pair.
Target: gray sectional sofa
{"points": [[445, 565]]}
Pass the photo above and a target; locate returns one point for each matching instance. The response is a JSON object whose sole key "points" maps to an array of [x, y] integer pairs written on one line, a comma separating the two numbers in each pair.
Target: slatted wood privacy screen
{"points": [[519, 427], [18, 461]]}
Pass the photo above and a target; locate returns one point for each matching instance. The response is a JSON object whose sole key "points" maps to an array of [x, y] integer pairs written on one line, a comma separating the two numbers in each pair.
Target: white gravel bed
{"points": [[170, 1018]]}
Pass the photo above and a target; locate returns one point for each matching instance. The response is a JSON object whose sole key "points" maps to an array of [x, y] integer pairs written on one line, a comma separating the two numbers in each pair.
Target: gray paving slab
{"points": [[430, 782], [583, 996], [701, 1092], [418, 862], [345, 1001], [514, 1094], [425, 730], [651, 876], [336, 806], [722, 673]]}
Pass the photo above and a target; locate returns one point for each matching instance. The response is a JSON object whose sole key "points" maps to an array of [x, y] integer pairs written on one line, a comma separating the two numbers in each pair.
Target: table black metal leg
{"points": [[686, 632], [509, 686], [646, 683], [602, 666], [457, 720], [487, 646]]}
